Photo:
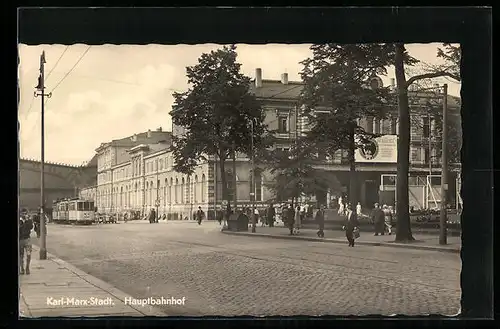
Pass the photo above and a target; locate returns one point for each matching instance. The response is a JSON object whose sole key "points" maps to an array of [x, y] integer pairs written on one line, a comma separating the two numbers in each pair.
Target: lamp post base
{"points": [[43, 254]]}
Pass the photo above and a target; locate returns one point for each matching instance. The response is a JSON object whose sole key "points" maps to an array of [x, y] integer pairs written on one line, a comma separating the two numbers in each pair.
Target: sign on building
{"points": [[382, 149]]}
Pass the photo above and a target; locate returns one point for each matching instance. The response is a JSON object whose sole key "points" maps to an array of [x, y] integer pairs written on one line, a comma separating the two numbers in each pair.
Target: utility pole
{"points": [[41, 92], [444, 169], [252, 182], [430, 143]]}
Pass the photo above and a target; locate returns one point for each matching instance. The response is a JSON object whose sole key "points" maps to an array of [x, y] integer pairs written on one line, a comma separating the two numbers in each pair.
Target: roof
{"points": [[141, 138], [275, 89]]}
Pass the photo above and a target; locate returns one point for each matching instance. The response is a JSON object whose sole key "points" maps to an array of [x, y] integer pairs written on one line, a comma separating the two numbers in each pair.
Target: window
{"points": [[426, 127], [203, 187], [415, 154], [369, 124], [195, 188], [161, 164], [282, 124], [376, 126], [230, 187], [394, 122], [80, 206], [427, 157], [258, 186]]}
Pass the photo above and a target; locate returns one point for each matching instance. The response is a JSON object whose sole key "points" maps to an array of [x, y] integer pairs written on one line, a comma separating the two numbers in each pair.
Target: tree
{"points": [[295, 176], [337, 83], [215, 114], [403, 228]]}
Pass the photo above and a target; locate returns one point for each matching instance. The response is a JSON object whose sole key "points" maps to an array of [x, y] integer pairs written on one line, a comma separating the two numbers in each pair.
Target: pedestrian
{"points": [[341, 206], [36, 223], [358, 209], [297, 220], [25, 247], [376, 218], [387, 219], [152, 216], [352, 224], [320, 219], [270, 215], [200, 215], [291, 218]]}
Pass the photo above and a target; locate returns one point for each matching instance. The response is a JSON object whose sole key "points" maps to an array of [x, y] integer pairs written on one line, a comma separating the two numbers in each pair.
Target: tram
{"points": [[73, 211]]}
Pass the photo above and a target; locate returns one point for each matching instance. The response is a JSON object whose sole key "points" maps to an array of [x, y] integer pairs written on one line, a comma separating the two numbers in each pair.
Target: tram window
{"points": [[87, 206], [80, 206], [71, 207]]}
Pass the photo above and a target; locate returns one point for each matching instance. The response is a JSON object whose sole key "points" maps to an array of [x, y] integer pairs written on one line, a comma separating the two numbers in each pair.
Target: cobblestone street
{"points": [[236, 275]]}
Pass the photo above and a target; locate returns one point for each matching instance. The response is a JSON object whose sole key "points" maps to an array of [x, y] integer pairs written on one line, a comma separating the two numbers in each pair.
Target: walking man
{"points": [[320, 219], [200, 215], [377, 217], [291, 218], [25, 227], [351, 224]]}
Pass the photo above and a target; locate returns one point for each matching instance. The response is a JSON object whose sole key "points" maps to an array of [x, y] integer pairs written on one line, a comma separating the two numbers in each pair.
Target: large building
{"points": [[135, 173], [61, 181]]}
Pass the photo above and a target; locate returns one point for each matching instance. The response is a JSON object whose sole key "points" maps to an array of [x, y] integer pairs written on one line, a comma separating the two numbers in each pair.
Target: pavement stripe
{"points": [[343, 241]]}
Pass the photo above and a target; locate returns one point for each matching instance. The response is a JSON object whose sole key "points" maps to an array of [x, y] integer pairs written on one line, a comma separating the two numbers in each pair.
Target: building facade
{"points": [[136, 173]]}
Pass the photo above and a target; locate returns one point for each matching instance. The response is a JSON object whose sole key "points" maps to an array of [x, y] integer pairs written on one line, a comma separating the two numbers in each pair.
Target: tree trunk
{"points": [[353, 184], [225, 194], [403, 227]]}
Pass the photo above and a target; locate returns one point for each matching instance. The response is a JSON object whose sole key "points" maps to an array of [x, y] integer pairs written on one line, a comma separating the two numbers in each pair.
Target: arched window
{"points": [[182, 190], [136, 195], [188, 190], [176, 188], [165, 192], [203, 188], [151, 202], [195, 188], [121, 196], [258, 185], [158, 189], [170, 191], [230, 183]]}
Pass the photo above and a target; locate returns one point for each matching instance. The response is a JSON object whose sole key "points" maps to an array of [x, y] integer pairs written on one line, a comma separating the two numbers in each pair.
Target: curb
{"points": [[361, 243], [118, 294]]}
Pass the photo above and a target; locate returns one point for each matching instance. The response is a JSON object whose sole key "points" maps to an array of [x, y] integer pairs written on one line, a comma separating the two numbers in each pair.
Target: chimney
{"points": [[159, 129], [149, 133], [134, 138], [284, 78], [258, 78]]}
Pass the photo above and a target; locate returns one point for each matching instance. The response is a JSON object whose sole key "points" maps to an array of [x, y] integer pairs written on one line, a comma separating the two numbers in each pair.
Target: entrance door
{"points": [[371, 193]]}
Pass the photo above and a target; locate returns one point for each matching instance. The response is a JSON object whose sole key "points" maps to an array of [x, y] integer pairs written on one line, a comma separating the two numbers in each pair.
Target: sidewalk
{"points": [[53, 280], [423, 242]]}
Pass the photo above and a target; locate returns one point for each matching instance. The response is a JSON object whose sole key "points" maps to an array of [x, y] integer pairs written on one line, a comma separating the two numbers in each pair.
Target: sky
{"points": [[114, 91]]}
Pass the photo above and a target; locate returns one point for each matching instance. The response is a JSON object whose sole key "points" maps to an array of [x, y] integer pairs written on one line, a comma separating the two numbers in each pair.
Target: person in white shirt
{"points": [[358, 209], [341, 206]]}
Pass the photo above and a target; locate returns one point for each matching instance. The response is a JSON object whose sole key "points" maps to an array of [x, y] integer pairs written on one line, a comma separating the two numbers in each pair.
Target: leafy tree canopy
{"points": [[216, 112], [337, 81]]}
